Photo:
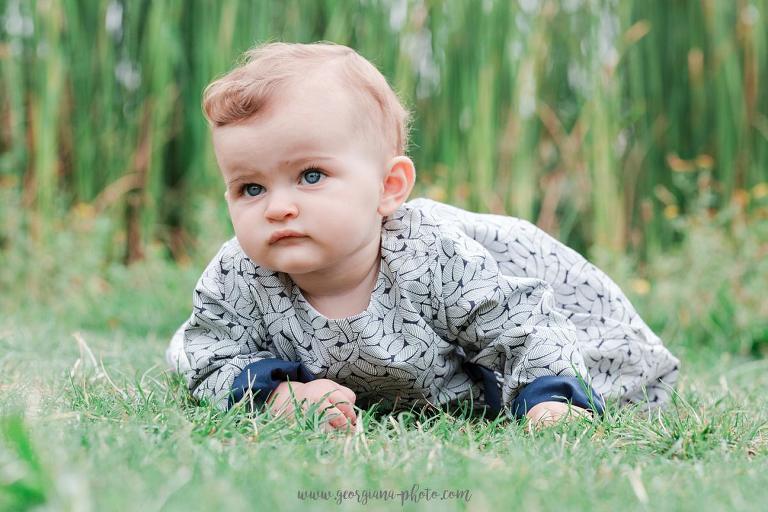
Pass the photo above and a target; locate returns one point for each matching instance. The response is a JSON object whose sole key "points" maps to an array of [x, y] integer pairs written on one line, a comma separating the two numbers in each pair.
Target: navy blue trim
{"points": [[262, 377], [490, 385], [556, 388]]}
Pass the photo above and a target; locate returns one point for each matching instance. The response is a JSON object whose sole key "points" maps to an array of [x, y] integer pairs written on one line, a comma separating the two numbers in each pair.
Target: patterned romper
{"points": [[467, 308]]}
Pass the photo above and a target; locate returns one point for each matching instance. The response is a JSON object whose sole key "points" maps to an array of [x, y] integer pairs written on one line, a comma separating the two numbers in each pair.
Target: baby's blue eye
{"points": [[251, 189], [312, 176]]}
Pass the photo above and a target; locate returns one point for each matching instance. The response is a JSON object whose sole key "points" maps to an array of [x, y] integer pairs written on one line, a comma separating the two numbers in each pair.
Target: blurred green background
{"points": [[603, 121]]}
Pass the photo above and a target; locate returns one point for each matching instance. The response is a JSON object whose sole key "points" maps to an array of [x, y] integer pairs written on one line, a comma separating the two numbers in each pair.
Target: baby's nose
{"points": [[280, 206]]}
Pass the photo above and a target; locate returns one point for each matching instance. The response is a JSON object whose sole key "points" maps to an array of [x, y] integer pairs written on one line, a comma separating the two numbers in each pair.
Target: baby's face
{"points": [[301, 166]]}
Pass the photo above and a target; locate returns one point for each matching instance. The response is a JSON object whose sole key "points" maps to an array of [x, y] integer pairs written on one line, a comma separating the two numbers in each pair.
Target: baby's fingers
{"points": [[334, 416], [342, 403], [281, 399], [348, 412], [348, 393], [281, 406]]}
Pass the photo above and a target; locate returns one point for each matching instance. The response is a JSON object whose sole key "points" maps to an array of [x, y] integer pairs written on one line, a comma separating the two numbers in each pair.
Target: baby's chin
{"points": [[293, 264]]}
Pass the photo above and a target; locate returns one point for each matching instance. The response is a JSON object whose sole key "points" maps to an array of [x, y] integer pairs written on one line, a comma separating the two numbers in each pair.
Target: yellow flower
{"points": [[760, 190], [677, 164], [640, 286], [7, 181], [741, 197], [705, 161], [84, 211], [436, 192]]}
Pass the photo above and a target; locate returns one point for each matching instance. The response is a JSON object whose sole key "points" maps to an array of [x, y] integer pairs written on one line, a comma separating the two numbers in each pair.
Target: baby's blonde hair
{"points": [[248, 88]]}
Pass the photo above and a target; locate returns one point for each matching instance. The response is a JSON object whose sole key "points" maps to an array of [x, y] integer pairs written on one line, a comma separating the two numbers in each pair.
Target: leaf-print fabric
{"points": [[454, 287]]}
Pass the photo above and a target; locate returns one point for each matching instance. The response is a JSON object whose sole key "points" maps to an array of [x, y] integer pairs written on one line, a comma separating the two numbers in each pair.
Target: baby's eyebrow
{"points": [[244, 177], [289, 162]]}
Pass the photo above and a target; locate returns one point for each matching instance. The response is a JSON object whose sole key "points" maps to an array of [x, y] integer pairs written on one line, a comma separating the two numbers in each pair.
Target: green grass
{"points": [[115, 432], [90, 420]]}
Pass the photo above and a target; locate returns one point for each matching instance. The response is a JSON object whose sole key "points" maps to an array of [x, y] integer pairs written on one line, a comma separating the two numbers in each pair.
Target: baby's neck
{"points": [[345, 289]]}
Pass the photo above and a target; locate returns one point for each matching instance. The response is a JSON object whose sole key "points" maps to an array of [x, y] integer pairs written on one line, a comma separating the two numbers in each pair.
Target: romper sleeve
{"points": [[227, 353], [510, 326], [627, 360]]}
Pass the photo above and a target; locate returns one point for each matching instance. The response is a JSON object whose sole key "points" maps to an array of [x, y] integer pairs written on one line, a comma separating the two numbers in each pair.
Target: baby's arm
{"points": [[225, 342], [510, 325]]}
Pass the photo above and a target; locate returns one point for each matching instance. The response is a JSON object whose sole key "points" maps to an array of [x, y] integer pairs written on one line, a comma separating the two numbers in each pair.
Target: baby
{"points": [[335, 291]]}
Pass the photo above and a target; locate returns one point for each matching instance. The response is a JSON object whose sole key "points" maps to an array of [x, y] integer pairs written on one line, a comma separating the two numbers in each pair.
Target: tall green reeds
{"points": [[601, 120]]}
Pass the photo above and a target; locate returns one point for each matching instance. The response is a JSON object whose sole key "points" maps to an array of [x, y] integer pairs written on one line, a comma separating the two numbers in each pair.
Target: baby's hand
{"points": [[337, 405], [547, 413]]}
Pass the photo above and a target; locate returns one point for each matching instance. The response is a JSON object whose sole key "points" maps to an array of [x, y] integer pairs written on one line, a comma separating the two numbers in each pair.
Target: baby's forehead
{"points": [[302, 120], [278, 70], [328, 97], [325, 87]]}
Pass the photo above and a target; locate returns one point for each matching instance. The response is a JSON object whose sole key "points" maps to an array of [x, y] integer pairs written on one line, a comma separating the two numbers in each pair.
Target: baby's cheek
{"points": [[249, 245]]}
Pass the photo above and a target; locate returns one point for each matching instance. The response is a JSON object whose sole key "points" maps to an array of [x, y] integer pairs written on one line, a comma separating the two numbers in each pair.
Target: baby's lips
{"points": [[284, 233]]}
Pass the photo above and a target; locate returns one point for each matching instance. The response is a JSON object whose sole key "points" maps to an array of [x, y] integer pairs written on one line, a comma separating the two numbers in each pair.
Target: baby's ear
{"points": [[397, 184]]}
